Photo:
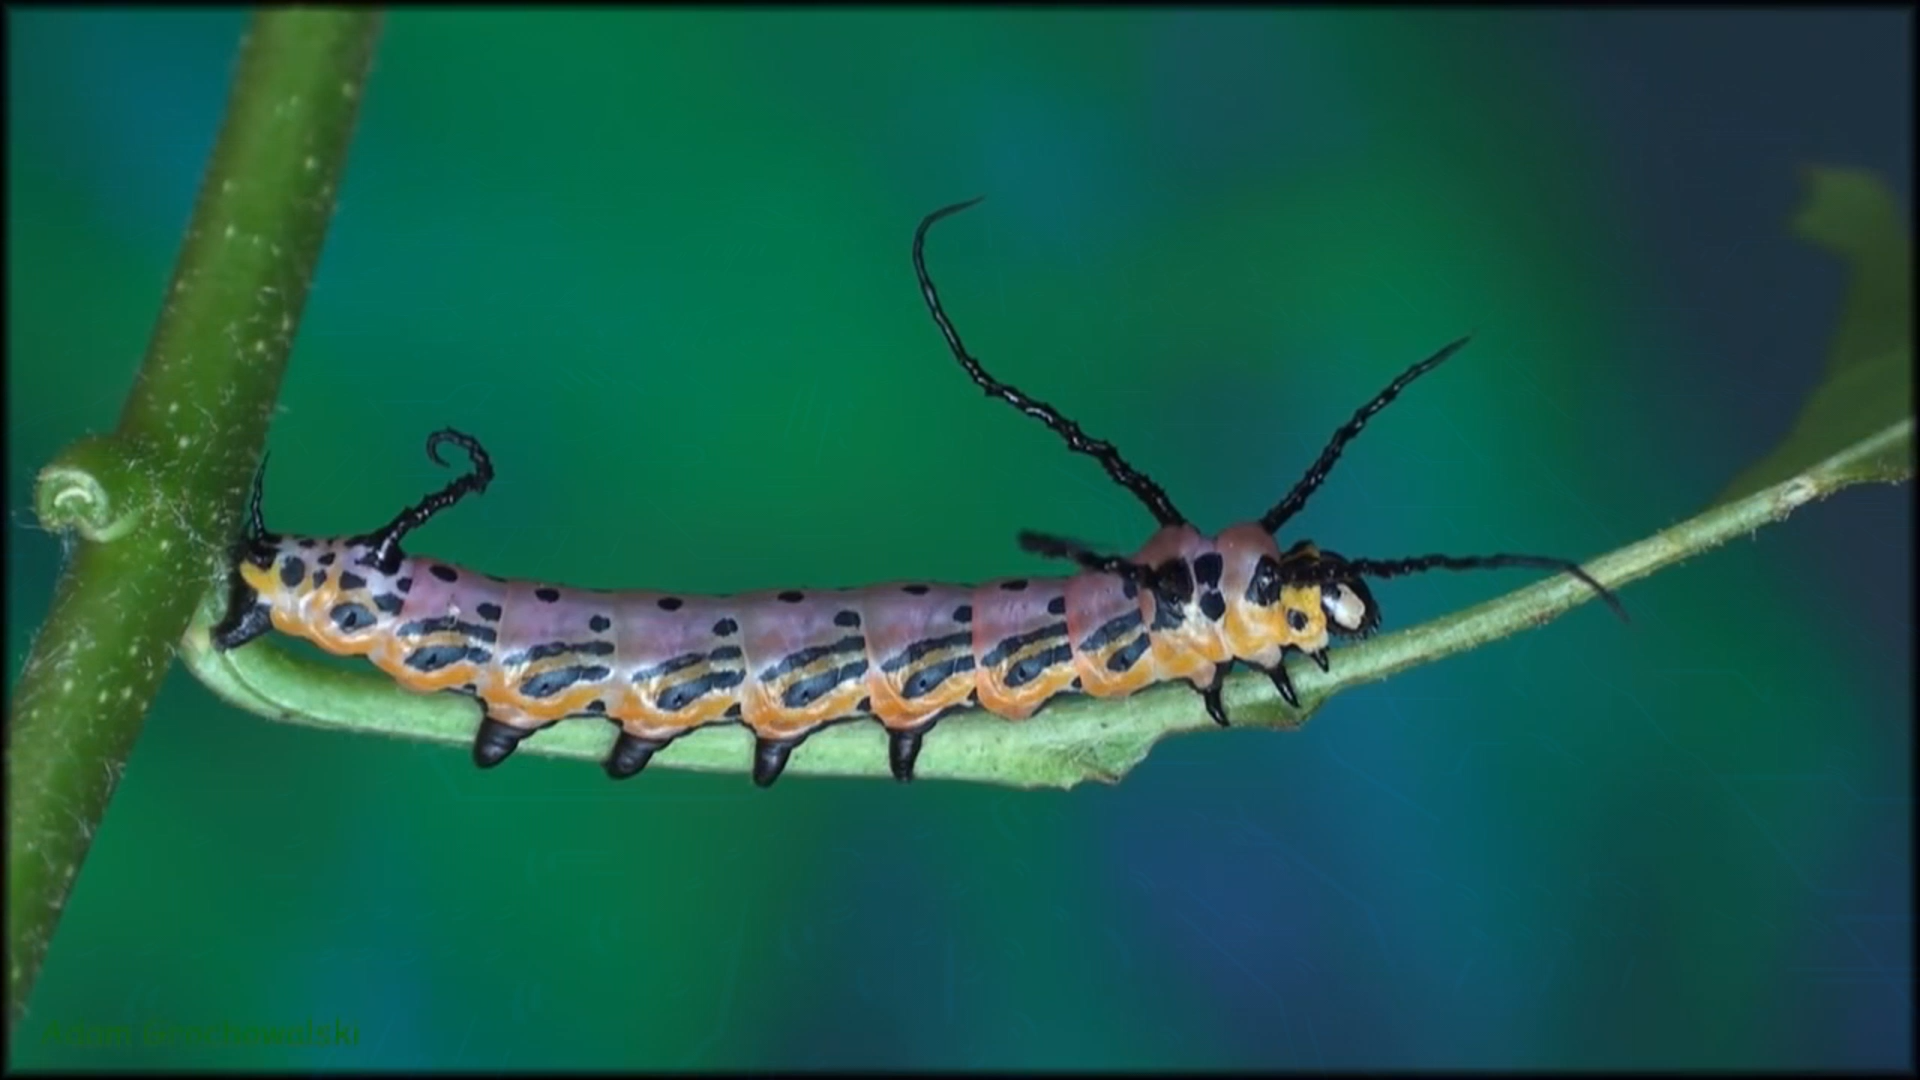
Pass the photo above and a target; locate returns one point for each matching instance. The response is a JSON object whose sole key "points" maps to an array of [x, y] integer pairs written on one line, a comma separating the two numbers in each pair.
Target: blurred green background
{"points": [[658, 260]]}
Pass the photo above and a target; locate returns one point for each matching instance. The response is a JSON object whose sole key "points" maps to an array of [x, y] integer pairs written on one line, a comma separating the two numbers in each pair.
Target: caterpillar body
{"points": [[785, 663]]}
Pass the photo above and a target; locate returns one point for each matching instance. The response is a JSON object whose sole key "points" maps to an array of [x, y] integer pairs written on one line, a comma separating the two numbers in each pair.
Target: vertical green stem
{"points": [[156, 502]]}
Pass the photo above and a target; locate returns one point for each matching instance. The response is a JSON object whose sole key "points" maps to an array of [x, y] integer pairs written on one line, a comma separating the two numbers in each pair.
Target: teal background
{"points": [[658, 260]]}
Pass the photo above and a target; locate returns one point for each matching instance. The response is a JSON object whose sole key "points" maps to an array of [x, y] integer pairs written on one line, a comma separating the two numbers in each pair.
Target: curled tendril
{"points": [[94, 488]]}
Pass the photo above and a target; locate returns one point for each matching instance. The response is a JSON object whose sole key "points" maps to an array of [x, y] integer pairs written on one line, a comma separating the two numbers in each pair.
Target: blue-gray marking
{"points": [[549, 683], [920, 648], [806, 691]]}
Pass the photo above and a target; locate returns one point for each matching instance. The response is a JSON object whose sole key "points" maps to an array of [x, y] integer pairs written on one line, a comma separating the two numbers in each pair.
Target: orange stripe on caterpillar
{"points": [[1184, 607]]}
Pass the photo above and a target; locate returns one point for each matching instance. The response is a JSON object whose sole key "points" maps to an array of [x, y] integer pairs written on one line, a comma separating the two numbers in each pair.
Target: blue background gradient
{"points": [[658, 261]]}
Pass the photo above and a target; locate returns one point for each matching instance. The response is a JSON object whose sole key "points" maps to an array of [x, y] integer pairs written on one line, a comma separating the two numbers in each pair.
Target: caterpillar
{"points": [[785, 663]]}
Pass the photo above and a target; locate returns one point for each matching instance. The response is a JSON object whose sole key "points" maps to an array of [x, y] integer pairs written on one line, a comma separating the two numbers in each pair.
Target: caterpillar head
{"points": [[1290, 600], [1345, 603], [1349, 607]]}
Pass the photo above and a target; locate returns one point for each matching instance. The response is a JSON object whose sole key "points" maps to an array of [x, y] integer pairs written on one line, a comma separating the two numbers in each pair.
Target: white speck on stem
{"points": [[1800, 491]]}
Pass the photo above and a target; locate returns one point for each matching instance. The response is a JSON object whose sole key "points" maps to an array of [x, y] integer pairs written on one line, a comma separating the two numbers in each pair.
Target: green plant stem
{"points": [[156, 502], [1074, 740]]}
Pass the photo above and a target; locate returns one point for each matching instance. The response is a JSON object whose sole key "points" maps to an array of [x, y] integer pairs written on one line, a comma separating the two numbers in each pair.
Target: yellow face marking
{"points": [[1296, 620], [1305, 620]]}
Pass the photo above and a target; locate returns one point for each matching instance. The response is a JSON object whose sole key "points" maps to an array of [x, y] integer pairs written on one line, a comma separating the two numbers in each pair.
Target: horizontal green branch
{"points": [[1074, 740]]}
